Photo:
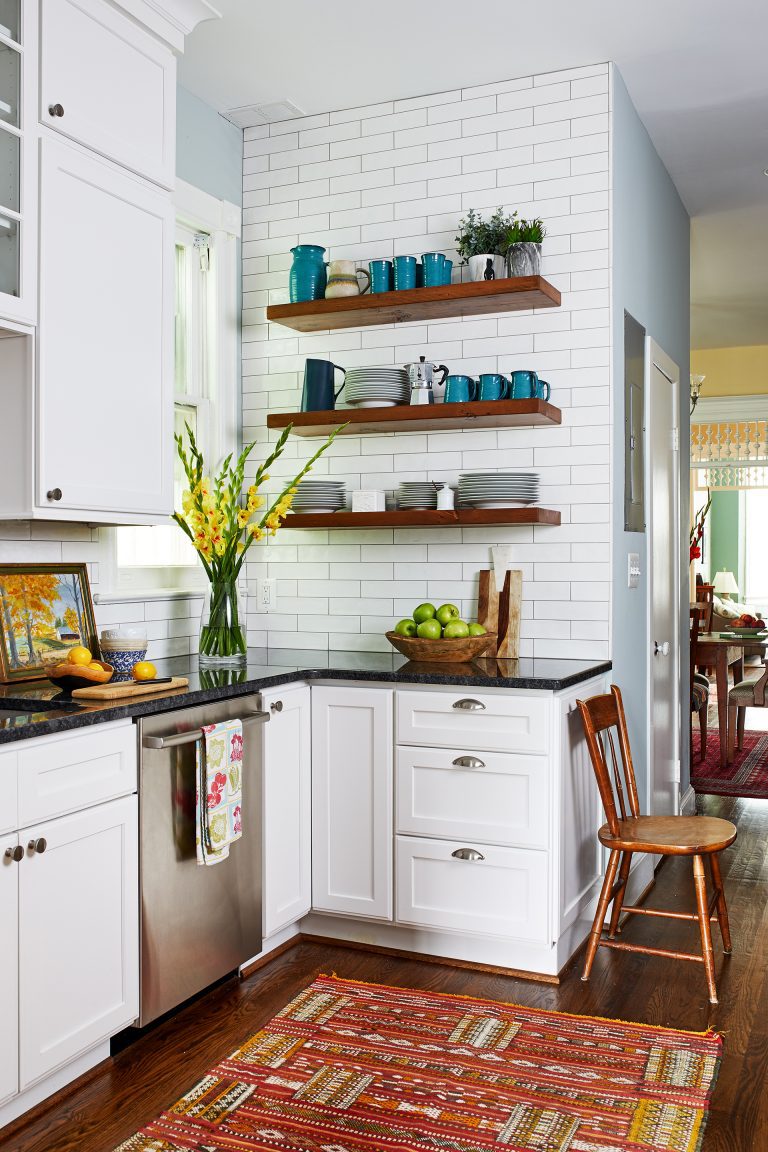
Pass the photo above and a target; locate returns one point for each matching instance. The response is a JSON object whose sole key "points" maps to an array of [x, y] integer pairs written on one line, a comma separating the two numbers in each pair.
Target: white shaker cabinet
{"points": [[287, 841], [9, 968], [108, 84], [352, 754], [105, 356], [18, 198]]}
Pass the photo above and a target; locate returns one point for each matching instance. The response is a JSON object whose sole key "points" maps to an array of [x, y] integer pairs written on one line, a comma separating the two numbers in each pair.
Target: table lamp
{"points": [[725, 584]]}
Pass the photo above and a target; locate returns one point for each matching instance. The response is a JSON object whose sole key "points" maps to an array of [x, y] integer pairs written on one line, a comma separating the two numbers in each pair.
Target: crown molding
{"points": [[172, 20]]}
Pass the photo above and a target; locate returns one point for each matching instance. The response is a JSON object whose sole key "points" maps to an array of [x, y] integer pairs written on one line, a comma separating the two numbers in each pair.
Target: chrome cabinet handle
{"points": [[467, 854], [54, 494], [38, 846], [16, 853], [276, 706], [55, 110], [468, 762], [174, 739], [470, 705]]}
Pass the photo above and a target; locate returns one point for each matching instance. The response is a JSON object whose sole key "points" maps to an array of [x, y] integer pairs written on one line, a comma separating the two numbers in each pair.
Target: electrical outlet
{"points": [[633, 569], [267, 594]]}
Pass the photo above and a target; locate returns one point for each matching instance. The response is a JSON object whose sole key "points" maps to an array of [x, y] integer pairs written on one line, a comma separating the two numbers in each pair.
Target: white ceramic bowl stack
{"points": [[417, 494], [498, 489], [377, 387], [320, 496], [122, 647]]}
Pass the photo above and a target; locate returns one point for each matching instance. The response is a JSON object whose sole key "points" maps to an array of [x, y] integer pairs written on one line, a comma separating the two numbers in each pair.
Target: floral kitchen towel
{"points": [[219, 790]]}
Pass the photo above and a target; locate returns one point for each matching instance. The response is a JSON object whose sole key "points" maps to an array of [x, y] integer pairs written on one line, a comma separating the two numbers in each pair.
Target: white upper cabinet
{"points": [[105, 355], [18, 33], [109, 85]]}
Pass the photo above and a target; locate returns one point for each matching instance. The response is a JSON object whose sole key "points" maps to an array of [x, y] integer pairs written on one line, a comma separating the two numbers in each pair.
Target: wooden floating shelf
{"points": [[420, 418], [427, 518], [445, 300]]}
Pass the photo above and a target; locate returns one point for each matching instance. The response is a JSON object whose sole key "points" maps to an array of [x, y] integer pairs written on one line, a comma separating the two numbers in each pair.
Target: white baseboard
{"points": [[53, 1083]]}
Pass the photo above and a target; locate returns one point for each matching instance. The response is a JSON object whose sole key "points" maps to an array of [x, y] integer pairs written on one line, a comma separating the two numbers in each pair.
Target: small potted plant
{"points": [[481, 243], [522, 247]]}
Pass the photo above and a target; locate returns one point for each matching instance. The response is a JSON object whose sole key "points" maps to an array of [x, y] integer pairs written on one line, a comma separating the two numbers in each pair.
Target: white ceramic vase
{"points": [[479, 264]]}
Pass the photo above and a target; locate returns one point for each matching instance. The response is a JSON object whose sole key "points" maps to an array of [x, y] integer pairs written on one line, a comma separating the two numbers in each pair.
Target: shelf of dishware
{"points": [[419, 417], [434, 303], [424, 518]]}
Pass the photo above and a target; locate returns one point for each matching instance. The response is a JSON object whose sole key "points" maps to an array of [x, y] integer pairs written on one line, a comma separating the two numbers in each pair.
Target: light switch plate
{"points": [[633, 569]]}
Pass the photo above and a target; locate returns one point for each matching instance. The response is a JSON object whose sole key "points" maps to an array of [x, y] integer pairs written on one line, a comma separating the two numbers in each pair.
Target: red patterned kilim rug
{"points": [[349, 1066], [747, 776]]}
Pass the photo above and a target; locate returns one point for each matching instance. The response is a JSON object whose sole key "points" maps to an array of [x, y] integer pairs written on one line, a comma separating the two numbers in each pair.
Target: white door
{"points": [[108, 84], [105, 360], [352, 749], [664, 583], [78, 934], [9, 969], [287, 841]]}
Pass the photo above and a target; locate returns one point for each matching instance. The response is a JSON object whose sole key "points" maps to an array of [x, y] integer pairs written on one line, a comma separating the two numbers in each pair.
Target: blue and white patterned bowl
{"points": [[123, 659]]}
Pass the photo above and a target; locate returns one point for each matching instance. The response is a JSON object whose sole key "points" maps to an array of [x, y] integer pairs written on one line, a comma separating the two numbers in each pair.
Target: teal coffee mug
{"points": [[460, 389], [447, 269], [381, 275], [524, 385], [405, 272], [433, 264], [493, 386], [542, 389]]}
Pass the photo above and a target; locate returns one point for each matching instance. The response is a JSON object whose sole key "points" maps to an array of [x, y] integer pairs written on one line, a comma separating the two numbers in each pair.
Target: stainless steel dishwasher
{"points": [[198, 923]]}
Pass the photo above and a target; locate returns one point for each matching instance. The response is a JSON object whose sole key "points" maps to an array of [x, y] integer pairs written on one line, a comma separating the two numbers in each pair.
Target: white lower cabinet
{"points": [[9, 969], [352, 754], [287, 823]]}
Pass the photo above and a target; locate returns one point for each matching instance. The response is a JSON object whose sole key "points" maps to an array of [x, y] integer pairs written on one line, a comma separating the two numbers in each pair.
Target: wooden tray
{"points": [[461, 650], [128, 688]]}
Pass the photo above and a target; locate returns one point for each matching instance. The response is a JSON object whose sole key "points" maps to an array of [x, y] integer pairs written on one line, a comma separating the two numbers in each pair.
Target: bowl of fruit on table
{"points": [[79, 670], [439, 635], [747, 625]]}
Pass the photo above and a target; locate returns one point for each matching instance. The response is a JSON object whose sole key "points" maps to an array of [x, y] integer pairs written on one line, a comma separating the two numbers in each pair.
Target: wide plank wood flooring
{"points": [[121, 1095]]}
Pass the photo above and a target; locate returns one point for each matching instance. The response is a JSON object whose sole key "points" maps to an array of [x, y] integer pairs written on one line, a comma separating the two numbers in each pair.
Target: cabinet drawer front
{"points": [[502, 894], [60, 774], [109, 85], [8, 790], [472, 719], [493, 797]]}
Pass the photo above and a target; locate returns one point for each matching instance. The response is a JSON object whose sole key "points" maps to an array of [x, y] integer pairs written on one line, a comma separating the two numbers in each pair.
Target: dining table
{"points": [[723, 652]]}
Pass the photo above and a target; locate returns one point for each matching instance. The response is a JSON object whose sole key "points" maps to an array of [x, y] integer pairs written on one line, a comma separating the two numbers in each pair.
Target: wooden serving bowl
{"points": [[71, 676], [458, 651]]}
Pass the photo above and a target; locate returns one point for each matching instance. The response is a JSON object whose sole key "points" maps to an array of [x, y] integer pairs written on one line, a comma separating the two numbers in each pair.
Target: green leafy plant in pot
{"points": [[481, 244], [522, 247]]}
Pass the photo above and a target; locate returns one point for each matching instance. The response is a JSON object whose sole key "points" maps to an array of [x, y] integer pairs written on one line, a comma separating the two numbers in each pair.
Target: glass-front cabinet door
{"points": [[17, 159]]}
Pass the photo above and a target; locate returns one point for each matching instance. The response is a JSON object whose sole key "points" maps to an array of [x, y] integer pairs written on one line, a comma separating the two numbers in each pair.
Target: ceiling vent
{"points": [[251, 115]]}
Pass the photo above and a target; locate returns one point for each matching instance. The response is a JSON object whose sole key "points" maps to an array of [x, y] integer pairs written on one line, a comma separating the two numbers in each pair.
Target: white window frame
{"points": [[222, 221]]}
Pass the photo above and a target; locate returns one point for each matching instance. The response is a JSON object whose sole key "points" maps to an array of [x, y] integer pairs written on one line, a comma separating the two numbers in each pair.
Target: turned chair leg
{"points": [[602, 908], [618, 900], [731, 735], [703, 728], [720, 905], [706, 935]]}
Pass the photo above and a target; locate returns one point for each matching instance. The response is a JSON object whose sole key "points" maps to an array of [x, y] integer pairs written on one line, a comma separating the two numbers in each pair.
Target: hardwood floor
{"points": [[120, 1096]]}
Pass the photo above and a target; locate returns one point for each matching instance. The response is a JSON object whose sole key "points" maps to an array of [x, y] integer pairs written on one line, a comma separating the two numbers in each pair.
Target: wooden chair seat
{"points": [[668, 835]]}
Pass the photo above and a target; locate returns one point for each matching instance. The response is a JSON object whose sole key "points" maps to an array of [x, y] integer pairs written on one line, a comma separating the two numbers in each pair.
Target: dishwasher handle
{"points": [[191, 737]]}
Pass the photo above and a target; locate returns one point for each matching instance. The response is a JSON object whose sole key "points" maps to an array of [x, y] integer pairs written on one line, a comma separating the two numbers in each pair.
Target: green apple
{"points": [[446, 613], [477, 630], [423, 612], [429, 629], [406, 628], [456, 630]]}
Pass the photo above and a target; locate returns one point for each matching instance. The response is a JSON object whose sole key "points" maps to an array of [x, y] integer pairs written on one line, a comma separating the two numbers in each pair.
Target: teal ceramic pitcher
{"points": [[308, 274]]}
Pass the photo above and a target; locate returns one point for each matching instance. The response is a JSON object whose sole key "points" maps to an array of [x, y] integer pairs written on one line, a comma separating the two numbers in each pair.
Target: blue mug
{"points": [[319, 394], [542, 389], [381, 275], [405, 272], [447, 269], [524, 385], [493, 386], [433, 264], [460, 390]]}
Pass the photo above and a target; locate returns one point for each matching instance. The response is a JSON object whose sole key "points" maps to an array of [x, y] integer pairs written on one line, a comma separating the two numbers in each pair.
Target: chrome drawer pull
{"points": [[470, 705], [467, 854], [176, 738], [468, 762]]}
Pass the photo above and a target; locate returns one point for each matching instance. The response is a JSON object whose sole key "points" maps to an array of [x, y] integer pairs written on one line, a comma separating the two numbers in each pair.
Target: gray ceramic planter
{"points": [[524, 260]]}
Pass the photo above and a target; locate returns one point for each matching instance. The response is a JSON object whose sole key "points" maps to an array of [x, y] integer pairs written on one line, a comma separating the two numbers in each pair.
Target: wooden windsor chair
{"points": [[626, 832], [699, 684]]}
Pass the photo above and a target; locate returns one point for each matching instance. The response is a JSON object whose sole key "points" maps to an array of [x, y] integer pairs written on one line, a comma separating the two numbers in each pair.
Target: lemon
{"points": [[79, 655], [96, 667], [144, 670]]}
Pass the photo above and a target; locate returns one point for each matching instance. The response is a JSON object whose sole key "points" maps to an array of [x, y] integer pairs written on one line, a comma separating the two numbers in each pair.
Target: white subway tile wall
{"points": [[395, 178]]}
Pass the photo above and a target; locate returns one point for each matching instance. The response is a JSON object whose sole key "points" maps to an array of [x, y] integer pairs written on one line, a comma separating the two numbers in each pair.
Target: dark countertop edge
{"points": [[69, 721]]}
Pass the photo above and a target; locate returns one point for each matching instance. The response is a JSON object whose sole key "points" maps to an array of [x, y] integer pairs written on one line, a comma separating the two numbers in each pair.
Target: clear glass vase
{"points": [[223, 638]]}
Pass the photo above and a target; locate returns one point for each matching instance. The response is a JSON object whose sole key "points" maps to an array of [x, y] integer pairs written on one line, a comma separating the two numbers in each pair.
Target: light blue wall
{"points": [[651, 280], [209, 150]]}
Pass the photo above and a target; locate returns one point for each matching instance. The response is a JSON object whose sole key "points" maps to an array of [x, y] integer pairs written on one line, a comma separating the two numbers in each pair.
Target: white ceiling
{"points": [[696, 72]]}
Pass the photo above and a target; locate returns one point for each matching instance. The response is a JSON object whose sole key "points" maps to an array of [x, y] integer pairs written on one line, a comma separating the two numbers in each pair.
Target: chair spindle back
{"points": [[617, 784]]}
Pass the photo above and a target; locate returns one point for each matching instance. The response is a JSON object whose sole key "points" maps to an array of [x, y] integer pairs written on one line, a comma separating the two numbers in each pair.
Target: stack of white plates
{"points": [[498, 489], [377, 387], [320, 496], [417, 494]]}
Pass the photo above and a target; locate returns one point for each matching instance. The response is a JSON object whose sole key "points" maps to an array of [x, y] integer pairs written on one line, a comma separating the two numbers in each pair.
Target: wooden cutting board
{"points": [[128, 688]]}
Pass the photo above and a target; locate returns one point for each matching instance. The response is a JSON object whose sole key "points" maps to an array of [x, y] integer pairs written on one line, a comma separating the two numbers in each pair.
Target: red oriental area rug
{"points": [[746, 776], [349, 1066]]}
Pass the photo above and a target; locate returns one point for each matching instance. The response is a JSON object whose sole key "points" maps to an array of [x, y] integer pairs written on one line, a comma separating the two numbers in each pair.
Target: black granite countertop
{"points": [[32, 708]]}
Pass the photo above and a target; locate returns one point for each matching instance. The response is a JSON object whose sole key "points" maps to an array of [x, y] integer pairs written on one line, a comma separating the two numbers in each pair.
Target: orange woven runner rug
{"points": [[349, 1066]]}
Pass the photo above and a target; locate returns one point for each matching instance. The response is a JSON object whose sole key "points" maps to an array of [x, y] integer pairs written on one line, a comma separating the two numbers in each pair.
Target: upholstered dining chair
{"points": [[699, 683], [626, 832], [746, 694]]}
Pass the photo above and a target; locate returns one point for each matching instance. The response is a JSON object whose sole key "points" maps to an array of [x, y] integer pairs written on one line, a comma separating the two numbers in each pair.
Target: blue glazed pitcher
{"points": [[308, 276]]}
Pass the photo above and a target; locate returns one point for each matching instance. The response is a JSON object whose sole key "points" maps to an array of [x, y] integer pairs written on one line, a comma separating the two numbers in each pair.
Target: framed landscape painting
{"points": [[45, 609]]}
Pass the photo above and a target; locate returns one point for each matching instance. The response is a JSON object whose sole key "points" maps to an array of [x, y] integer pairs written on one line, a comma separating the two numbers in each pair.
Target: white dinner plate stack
{"points": [[417, 494], [320, 496], [498, 489], [377, 387]]}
